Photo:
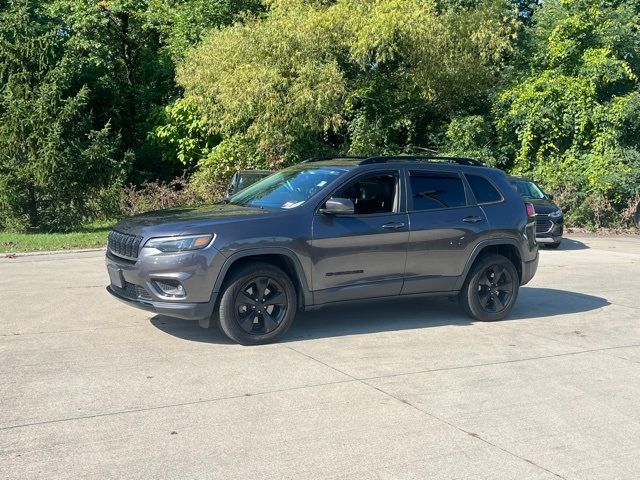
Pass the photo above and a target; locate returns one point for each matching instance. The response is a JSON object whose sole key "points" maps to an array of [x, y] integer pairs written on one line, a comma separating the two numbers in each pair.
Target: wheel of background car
{"points": [[491, 288], [258, 304]]}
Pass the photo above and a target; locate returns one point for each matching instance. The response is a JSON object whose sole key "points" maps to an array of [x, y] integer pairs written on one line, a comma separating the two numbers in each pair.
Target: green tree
{"points": [[182, 23], [570, 117], [128, 74], [129, 47], [313, 77], [52, 157]]}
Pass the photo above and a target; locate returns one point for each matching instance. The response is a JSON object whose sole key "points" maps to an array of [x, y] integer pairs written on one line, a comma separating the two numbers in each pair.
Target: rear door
{"points": [[362, 255], [445, 224]]}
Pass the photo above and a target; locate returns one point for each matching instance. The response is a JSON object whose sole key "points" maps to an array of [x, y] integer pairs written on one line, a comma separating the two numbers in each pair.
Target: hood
{"points": [[179, 221], [542, 205]]}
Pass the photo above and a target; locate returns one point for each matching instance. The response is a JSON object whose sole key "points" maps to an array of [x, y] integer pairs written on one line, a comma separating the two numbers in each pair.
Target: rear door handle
{"points": [[393, 225], [472, 219]]}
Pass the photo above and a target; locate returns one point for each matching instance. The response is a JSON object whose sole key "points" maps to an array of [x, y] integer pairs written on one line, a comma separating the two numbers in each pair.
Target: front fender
{"points": [[300, 272]]}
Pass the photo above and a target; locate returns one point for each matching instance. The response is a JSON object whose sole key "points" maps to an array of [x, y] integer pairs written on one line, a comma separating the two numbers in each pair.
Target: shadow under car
{"points": [[395, 314]]}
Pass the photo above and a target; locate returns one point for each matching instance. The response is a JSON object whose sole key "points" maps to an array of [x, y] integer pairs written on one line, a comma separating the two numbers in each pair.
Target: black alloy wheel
{"points": [[258, 303], [261, 305], [490, 289], [495, 288]]}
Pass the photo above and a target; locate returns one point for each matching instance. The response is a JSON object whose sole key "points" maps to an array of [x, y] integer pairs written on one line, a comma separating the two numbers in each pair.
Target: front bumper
{"points": [[549, 230], [186, 311], [136, 281]]}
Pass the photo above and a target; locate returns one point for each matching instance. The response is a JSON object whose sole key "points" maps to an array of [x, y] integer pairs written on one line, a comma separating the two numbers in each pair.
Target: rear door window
{"points": [[430, 190], [483, 189]]}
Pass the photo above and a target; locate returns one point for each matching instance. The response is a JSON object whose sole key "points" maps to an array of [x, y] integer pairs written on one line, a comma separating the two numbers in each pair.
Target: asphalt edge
{"points": [[51, 252]]}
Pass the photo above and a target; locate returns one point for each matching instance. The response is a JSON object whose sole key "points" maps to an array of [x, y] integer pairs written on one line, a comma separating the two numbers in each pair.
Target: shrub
{"points": [[160, 195]]}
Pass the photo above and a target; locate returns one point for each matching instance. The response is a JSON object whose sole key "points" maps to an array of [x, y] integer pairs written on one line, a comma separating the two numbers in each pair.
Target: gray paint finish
{"points": [[335, 258]]}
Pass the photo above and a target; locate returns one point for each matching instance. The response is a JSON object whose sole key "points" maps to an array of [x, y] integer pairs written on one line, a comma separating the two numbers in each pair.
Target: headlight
{"points": [[556, 214], [179, 244]]}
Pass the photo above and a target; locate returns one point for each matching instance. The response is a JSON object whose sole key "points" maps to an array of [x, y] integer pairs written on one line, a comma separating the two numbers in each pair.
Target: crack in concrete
{"points": [[171, 405], [64, 287], [503, 362], [351, 378], [429, 414], [54, 332], [460, 429]]}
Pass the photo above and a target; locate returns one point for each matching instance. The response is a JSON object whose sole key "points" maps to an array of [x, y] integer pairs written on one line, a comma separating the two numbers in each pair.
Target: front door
{"points": [[362, 255]]}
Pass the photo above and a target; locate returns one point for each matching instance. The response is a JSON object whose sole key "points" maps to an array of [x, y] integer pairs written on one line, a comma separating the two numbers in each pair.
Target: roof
{"points": [[516, 177], [353, 160]]}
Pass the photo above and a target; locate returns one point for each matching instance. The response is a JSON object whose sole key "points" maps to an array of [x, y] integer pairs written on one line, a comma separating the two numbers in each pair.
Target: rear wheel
{"points": [[258, 304], [491, 288]]}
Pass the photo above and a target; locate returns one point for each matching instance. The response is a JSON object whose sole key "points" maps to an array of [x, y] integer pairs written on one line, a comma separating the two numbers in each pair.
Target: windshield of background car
{"points": [[247, 179], [527, 189], [288, 188]]}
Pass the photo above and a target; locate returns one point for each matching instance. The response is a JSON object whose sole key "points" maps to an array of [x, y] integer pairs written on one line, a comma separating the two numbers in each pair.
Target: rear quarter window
{"points": [[483, 189], [430, 191]]}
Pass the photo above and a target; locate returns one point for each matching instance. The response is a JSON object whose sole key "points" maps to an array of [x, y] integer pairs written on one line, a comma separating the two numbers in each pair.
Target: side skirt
{"points": [[451, 293]]}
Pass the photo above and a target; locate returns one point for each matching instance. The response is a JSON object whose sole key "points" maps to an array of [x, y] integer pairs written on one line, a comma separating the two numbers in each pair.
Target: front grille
{"points": [[543, 226], [124, 245], [135, 292]]}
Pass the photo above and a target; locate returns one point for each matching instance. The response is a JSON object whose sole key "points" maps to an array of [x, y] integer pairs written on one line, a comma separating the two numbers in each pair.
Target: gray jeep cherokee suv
{"points": [[327, 231]]}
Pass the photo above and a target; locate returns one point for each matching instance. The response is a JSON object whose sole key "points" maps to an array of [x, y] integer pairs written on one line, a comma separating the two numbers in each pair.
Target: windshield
{"points": [[288, 188], [527, 189]]}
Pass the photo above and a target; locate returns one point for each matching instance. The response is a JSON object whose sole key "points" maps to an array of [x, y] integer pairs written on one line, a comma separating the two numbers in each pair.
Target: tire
{"points": [[246, 314], [482, 296], [553, 246]]}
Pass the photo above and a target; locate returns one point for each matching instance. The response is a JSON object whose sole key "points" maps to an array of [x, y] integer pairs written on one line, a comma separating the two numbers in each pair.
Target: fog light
{"points": [[170, 288]]}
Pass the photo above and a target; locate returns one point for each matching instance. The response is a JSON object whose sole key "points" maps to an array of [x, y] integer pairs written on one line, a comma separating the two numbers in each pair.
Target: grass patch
{"points": [[90, 236]]}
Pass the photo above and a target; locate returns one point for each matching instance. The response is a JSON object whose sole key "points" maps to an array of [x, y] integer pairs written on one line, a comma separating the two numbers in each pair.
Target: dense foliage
{"points": [[52, 156], [571, 115], [96, 95]]}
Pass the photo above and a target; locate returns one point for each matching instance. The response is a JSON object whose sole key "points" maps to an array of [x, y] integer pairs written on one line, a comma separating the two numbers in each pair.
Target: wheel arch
{"points": [[281, 257], [506, 247]]}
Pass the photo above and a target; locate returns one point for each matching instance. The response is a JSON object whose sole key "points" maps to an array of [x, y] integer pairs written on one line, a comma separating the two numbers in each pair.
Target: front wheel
{"points": [[491, 288], [258, 304]]}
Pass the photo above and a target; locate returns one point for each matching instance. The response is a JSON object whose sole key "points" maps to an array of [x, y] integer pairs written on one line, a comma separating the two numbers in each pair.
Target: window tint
{"points": [[527, 189], [371, 194], [483, 190], [431, 191]]}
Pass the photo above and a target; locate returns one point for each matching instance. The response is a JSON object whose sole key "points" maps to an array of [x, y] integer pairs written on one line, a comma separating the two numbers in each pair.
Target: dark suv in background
{"points": [[327, 231], [549, 218], [245, 178]]}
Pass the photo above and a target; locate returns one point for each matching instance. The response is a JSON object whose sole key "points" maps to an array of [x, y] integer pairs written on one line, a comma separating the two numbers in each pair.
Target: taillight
{"points": [[531, 211]]}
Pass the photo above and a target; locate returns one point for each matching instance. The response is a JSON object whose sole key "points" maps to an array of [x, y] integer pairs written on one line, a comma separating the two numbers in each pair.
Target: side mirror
{"points": [[338, 206], [549, 196]]}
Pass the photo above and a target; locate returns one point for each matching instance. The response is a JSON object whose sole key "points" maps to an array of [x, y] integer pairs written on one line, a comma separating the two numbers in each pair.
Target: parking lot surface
{"points": [[411, 389]]}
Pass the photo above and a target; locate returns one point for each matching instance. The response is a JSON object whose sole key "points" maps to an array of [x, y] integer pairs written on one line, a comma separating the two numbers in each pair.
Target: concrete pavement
{"points": [[90, 388]]}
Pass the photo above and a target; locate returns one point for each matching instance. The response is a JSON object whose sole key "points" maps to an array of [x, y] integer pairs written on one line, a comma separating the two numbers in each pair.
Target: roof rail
{"points": [[423, 158], [332, 157]]}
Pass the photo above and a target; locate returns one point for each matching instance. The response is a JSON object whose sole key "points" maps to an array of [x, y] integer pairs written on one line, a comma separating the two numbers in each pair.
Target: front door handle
{"points": [[472, 219], [393, 225]]}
